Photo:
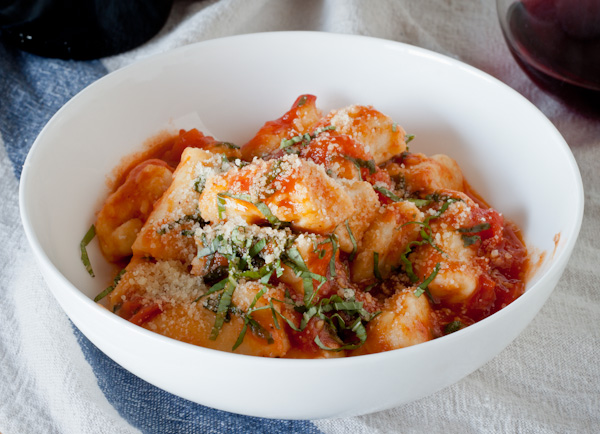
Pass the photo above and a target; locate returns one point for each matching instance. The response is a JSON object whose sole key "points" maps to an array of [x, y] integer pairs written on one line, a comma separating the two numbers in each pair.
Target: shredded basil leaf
{"points": [[387, 193], [262, 207], [302, 101], [256, 328], [475, 229], [257, 247], [304, 138], [376, 271], [353, 241], [87, 238], [228, 145], [419, 203], [360, 163], [469, 240], [222, 309], [333, 252], [424, 286], [452, 327], [111, 287]]}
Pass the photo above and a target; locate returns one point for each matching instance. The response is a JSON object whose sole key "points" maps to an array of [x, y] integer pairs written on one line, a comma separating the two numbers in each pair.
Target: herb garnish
{"points": [[360, 163], [387, 193], [111, 287], [376, 271], [256, 328], [302, 101], [353, 241], [452, 327], [199, 184], [243, 254], [469, 240], [87, 238], [426, 237], [424, 286], [262, 207], [304, 139], [196, 218]]}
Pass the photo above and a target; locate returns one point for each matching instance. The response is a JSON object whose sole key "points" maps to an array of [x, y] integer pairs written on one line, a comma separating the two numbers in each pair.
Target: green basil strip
{"points": [[419, 203], [257, 297], [260, 331], [408, 266], [302, 101], [274, 172], [274, 313], [221, 205], [376, 271], [289, 142], [423, 287], [304, 138], [265, 279], [262, 207], [266, 212], [353, 241], [387, 193], [333, 252], [222, 309], [347, 306], [360, 163], [307, 316], [111, 287], [475, 229], [257, 247], [256, 328], [241, 336], [216, 287], [361, 333], [371, 286], [452, 327], [87, 238], [228, 145], [294, 255], [289, 322], [469, 240], [409, 138], [199, 184]]}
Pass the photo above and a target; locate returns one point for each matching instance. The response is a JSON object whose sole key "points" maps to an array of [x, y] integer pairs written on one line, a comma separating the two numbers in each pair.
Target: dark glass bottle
{"points": [[80, 29]]}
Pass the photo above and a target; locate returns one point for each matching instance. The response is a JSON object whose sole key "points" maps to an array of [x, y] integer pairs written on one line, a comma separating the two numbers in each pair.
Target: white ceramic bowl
{"points": [[509, 151]]}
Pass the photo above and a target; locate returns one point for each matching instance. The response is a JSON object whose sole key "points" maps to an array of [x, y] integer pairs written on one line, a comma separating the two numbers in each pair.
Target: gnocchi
{"points": [[321, 236]]}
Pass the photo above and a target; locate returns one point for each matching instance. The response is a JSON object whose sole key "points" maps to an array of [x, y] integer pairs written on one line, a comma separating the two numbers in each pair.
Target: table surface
{"points": [[53, 380]]}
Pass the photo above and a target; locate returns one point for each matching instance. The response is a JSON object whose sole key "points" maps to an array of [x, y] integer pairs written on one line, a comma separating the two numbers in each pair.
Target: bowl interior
{"points": [[508, 151]]}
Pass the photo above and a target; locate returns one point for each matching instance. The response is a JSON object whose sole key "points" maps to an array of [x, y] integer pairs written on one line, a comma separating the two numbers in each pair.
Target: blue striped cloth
{"points": [[32, 89]]}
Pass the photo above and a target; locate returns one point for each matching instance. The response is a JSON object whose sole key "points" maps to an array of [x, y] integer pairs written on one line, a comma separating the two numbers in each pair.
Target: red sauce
{"points": [[501, 253], [503, 257]]}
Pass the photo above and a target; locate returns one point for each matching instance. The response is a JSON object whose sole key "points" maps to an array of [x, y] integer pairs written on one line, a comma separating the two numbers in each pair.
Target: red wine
{"points": [[80, 29], [557, 42]]}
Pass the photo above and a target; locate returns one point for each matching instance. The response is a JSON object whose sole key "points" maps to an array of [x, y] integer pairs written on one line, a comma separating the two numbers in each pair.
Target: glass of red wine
{"points": [[557, 43]]}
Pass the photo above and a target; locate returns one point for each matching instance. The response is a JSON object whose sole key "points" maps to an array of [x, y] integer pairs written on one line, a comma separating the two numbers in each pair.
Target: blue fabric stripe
{"points": [[32, 89], [153, 410]]}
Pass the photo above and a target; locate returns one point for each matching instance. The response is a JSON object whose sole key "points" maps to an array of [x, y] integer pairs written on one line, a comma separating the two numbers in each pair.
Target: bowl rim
{"points": [[560, 258]]}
